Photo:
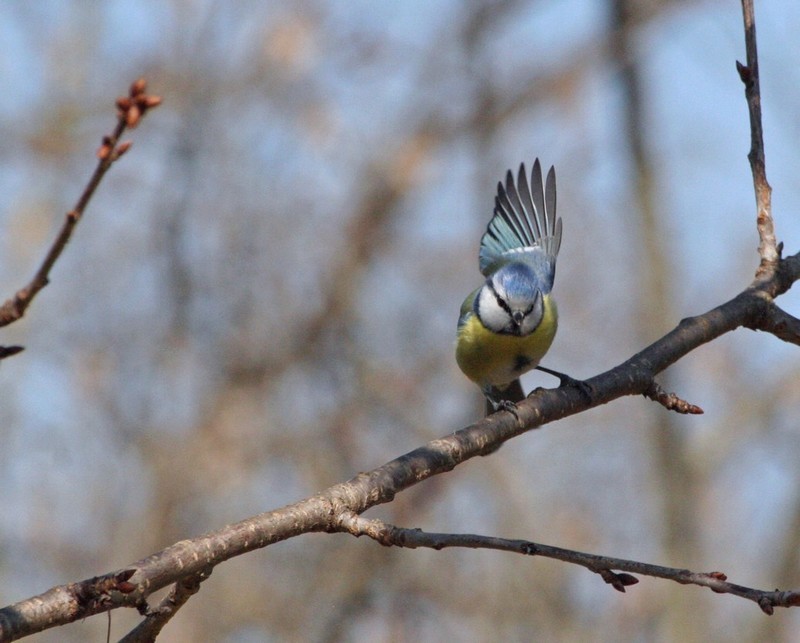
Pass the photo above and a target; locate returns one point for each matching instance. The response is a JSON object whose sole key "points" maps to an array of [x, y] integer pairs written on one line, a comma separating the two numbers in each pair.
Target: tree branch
{"points": [[389, 535], [781, 324], [767, 246], [156, 618], [324, 512], [130, 110], [338, 508], [671, 401]]}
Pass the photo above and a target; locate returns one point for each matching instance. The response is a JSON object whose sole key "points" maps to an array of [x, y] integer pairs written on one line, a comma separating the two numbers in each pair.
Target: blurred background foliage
{"points": [[262, 298]]}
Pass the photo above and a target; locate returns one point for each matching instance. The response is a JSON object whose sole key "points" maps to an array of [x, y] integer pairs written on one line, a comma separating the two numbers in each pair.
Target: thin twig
{"points": [[670, 401], [767, 245], [389, 535], [157, 617], [8, 351], [130, 111]]}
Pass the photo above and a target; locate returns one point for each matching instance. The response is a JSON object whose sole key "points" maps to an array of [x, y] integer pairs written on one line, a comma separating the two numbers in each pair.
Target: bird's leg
{"points": [[566, 380], [504, 398]]}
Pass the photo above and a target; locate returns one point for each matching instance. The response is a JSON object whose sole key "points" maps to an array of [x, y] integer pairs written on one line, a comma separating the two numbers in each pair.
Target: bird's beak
{"points": [[518, 316]]}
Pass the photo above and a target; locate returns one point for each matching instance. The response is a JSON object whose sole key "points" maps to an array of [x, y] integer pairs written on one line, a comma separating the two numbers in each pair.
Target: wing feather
{"points": [[524, 226]]}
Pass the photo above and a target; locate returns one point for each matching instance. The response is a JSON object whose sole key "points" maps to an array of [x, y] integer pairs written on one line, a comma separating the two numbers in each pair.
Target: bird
{"points": [[507, 324]]}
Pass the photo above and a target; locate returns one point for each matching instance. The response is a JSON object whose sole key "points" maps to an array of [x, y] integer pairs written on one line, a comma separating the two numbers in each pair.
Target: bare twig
{"points": [[389, 535], [8, 351], [156, 618], [767, 246], [670, 401], [130, 111]]}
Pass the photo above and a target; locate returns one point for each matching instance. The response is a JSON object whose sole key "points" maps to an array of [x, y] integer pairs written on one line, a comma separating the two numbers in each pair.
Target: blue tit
{"points": [[507, 325]]}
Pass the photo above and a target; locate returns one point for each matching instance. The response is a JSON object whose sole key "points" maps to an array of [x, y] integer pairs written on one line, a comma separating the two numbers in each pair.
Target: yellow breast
{"points": [[490, 358]]}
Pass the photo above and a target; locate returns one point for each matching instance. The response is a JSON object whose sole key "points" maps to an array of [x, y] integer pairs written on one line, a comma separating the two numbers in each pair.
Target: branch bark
{"points": [[390, 535], [337, 509], [768, 248], [326, 511]]}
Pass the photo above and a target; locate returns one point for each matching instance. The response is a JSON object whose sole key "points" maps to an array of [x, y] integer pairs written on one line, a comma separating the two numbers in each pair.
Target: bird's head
{"points": [[510, 302]]}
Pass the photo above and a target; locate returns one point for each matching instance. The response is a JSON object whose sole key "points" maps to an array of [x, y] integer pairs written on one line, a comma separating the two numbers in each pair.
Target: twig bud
{"points": [[104, 151], [132, 116], [123, 147], [137, 87], [151, 100], [745, 73]]}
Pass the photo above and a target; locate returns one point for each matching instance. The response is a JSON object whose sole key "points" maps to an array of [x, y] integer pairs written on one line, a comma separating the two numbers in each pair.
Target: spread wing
{"points": [[524, 226]]}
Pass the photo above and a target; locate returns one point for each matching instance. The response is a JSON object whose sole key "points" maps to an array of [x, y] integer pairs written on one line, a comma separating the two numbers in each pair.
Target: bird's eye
{"points": [[500, 301]]}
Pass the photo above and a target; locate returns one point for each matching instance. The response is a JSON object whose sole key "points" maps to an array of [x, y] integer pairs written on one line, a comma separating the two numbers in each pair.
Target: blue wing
{"points": [[524, 226]]}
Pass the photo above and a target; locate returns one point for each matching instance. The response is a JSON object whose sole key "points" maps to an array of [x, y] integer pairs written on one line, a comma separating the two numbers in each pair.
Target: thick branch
{"points": [[783, 325], [323, 512]]}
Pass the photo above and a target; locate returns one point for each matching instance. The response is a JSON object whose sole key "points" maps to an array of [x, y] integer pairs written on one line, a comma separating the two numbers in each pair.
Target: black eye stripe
{"points": [[500, 301]]}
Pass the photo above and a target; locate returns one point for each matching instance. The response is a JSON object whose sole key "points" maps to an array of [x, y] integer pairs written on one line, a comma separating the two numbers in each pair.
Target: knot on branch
{"points": [[98, 590]]}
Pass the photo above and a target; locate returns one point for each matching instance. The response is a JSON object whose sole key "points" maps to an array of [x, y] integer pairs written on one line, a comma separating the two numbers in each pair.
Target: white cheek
{"points": [[490, 313], [532, 320], [529, 324]]}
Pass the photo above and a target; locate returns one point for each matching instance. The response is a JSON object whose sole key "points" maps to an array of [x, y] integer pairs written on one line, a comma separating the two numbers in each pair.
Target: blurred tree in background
{"points": [[262, 301]]}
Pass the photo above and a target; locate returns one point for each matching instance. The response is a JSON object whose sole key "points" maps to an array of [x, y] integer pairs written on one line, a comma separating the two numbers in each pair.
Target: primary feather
{"points": [[524, 226]]}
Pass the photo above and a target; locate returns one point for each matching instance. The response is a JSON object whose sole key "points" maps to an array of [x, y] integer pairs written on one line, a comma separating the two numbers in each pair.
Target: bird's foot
{"points": [[507, 405], [495, 405]]}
